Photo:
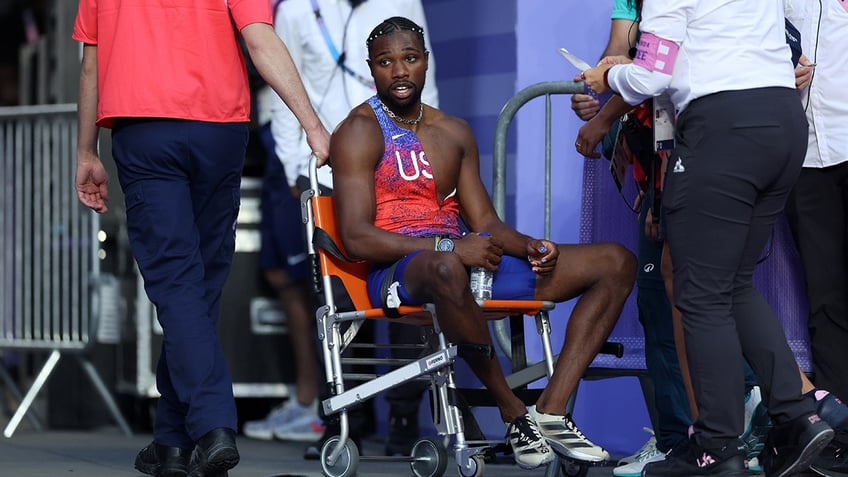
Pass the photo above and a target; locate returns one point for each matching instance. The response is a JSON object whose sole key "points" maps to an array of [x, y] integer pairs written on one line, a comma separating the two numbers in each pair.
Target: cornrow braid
{"points": [[395, 24]]}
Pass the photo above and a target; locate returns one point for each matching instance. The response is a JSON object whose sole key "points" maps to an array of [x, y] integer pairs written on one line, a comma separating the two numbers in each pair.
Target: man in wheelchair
{"points": [[405, 174]]}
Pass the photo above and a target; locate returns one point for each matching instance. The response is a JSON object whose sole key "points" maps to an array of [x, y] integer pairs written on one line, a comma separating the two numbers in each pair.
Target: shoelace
{"points": [[648, 449], [649, 455], [573, 427], [527, 434]]}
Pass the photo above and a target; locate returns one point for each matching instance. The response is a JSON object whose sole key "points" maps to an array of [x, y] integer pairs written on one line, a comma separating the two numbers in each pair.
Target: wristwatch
{"points": [[444, 244]]}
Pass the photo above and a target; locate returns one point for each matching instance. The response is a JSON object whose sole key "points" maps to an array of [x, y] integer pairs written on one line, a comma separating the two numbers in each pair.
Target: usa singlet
{"points": [[407, 200]]}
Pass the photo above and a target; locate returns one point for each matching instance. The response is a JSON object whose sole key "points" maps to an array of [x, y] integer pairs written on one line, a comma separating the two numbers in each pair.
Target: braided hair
{"points": [[392, 25]]}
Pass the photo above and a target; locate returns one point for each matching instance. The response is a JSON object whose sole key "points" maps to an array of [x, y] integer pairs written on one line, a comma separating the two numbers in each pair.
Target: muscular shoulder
{"points": [[446, 128], [357, 137], [361, 119]]}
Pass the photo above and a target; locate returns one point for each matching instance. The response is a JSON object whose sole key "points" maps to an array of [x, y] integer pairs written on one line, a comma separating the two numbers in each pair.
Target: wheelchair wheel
{"points": [[571, 468], [476, 466], [430, 458], [346, 464]]}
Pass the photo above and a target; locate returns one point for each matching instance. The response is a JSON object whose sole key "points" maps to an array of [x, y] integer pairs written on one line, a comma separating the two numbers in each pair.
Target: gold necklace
{"points": [[411, 122]]}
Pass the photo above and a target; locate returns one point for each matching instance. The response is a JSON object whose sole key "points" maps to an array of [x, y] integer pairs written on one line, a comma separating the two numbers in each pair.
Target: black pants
{"points": [[738, 155], [818, 216]]}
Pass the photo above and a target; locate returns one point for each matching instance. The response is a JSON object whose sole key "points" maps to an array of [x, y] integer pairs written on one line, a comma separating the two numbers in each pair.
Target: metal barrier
{"points": [[503, 333], [49, 266], [546, 89]]}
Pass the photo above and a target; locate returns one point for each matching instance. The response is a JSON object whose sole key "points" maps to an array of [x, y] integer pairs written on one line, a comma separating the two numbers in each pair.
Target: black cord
{"points": [[343, 55], [631, 51], [815, 56], [338, 67], [634, 206]]}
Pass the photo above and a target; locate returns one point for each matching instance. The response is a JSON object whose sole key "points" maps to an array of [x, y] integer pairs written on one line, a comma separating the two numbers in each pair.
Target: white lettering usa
{"points": [[417, 170]]}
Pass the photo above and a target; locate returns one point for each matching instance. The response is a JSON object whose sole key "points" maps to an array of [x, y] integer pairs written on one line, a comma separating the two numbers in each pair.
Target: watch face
{"points": [[445, 245]]}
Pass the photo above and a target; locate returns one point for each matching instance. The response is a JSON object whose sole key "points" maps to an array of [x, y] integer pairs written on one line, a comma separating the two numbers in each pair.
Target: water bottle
{"points": [[481, 282]]}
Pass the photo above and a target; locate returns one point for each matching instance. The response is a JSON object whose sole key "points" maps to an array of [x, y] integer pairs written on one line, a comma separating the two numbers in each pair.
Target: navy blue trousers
{"points": [[672, 415], [181, 185]]}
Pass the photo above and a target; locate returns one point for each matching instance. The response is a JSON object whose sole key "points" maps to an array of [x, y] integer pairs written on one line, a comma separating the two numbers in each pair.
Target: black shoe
{"points": [[832, 411], [403, 433], [162, 461], [832, 462], [792, 446], [214, 454], [693, 460]]}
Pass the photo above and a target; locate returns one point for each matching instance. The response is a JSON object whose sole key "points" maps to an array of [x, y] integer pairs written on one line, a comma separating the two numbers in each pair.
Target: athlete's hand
{"points": [[477, 250], [542, 255]]}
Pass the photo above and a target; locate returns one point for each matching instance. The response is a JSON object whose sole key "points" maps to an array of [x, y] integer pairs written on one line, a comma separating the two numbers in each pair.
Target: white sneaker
{"points": [[279, 417], [634, 469], [263, 429], [752, 400], [648, 447], [566, 439], [529, 447], [754, 466]]}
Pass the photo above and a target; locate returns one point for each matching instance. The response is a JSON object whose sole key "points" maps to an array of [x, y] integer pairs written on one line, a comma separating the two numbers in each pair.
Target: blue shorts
{"points": [[281, 230], [514, 280]]}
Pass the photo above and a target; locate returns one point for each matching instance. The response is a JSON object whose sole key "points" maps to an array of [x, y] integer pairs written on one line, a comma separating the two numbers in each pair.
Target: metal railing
{"points": [[546, 89], [49, 265]]}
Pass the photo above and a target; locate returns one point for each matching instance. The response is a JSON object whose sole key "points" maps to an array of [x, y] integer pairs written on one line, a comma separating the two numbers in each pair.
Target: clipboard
{"points": [[620, 160]]}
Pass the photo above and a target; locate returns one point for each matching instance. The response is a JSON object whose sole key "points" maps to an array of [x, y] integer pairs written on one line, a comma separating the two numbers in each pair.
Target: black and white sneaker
{"points": [[530, 448], [566, 439], [691, 460]]}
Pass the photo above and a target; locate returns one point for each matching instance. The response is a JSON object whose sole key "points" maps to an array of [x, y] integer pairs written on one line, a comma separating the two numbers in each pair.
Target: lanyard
{"points": [[334, 52], [275, 4]]}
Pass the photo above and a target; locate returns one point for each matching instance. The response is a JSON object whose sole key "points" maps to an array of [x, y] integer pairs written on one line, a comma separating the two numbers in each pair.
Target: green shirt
{"points": [[624, 10]]}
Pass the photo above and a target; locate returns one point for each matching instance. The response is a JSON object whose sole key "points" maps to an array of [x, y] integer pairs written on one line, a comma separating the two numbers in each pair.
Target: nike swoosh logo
{"points": [[398, 135]]}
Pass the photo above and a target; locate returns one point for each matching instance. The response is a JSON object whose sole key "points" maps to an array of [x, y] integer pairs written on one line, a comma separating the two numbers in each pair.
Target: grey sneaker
{"points": [[280, 421], [634, 469], [530, 448], [566, 439], [648, 447]]}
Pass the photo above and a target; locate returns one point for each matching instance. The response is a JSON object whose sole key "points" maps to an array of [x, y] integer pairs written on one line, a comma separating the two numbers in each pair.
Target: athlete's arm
{"points": [[355, 148]]}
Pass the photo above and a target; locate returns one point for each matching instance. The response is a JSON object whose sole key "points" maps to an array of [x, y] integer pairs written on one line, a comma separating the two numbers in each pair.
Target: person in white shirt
{"points": [[817, 209], [740, 142]]}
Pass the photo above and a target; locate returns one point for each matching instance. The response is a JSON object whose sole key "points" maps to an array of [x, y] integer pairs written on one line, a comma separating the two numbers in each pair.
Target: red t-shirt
{"points": [[170, 58]]}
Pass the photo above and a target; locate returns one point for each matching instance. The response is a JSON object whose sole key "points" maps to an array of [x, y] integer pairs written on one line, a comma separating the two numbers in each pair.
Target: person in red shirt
{"points": [[169, 79]]}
